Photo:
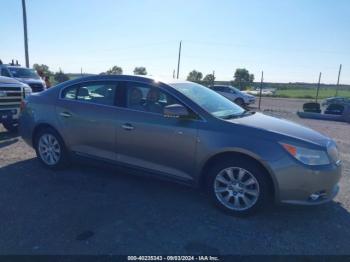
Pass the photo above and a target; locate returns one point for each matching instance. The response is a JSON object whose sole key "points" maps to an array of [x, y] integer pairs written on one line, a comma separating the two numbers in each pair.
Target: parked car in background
{"points": [[264, 91], [235, 95], [336, 100], [25, 75], [12, 94], [185, 132]]}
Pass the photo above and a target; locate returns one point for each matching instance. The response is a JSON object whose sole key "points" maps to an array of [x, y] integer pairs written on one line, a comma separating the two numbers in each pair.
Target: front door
{"points": [[149, 140]]}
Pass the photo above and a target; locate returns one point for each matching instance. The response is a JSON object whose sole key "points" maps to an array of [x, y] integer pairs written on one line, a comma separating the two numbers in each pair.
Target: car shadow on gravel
{"points": [[95, 210], [8, 142], [5, 135]]}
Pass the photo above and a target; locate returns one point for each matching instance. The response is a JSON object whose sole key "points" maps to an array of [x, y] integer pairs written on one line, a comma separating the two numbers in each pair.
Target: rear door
{"points": [[87, 115]]}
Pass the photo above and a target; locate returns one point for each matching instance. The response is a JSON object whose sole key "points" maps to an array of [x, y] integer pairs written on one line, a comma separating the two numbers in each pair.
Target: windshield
{"points": [[209, 100], [235, 89], [23, 72]]}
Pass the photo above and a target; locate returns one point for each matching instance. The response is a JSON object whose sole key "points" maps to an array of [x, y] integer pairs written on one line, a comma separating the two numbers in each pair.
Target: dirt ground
{"points": [[93, 210]]}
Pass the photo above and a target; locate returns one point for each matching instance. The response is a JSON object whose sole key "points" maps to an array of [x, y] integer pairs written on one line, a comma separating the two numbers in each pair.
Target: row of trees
{"points": [[60, 76], [197, 77], [241, 79], [117, 70], [44, 71]]}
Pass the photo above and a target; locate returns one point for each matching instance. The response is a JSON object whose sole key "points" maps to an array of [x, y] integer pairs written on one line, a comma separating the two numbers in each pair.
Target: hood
{"points": [[8, 81], [283, 127], [30, 80]]}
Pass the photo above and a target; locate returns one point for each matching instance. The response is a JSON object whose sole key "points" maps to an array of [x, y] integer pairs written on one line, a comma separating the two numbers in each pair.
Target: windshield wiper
{"points": [[231, 116], [244, 113]]}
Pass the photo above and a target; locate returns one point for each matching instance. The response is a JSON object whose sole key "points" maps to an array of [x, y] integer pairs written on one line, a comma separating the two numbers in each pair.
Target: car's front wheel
{"points": [[50, 149], [238, 186]]}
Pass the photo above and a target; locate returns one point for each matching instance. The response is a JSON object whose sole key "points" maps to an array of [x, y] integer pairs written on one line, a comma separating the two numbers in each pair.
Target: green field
{"points": [[310, 93]]}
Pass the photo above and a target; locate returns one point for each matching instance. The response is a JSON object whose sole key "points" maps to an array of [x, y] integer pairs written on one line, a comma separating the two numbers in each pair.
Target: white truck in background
{"points": [[12, 95]]}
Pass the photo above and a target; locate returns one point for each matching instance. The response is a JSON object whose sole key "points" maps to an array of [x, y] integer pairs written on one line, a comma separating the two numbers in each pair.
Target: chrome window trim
{"points": [[201, 118]]}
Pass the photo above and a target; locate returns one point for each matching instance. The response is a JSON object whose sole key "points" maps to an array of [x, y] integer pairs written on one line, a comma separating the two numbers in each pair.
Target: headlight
{"points": [[307, 156], [27, 91]]}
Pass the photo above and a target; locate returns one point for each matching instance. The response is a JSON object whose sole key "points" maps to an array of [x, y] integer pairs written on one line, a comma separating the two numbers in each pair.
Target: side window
{"points": [[98, 93], [219, 89], [230, 90], [70, 93], [147, 98], [4, 72]]}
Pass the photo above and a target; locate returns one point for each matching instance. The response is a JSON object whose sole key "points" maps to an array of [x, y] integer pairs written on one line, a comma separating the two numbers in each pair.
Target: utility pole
{"points": [[213, 77], [318, 86], [261, 85], [178, 61], [336, 92], [25, 32]]}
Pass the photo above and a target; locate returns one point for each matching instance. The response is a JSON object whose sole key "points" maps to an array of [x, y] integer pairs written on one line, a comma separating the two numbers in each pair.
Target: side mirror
{"points": [[176, 111]]}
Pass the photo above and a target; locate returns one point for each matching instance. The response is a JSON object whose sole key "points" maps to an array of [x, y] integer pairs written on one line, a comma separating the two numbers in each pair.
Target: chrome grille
{"points": [[10, 97]]}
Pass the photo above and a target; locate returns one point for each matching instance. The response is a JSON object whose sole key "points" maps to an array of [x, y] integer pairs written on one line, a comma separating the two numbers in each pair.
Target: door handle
{"points": [[128, 127], [65, 114]]}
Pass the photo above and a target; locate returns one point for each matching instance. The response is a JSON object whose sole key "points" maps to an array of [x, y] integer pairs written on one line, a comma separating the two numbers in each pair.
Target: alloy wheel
{"points": [[49, 149], [236, 188]]}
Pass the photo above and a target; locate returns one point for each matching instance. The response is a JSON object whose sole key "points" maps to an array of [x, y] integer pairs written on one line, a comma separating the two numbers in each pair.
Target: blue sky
{"points": [[291, 40]]}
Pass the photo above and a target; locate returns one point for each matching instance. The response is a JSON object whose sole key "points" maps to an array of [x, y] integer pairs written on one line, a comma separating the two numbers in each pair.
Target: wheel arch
{"points": [[40, 127], [239, 154]]}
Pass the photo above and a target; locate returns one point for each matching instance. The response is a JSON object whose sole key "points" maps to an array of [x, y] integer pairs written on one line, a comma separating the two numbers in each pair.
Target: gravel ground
{"points": [[94, 210]]}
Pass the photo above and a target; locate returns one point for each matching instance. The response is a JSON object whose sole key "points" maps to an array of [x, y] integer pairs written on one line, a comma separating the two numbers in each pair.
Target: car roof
{"points": [[143, 78]]}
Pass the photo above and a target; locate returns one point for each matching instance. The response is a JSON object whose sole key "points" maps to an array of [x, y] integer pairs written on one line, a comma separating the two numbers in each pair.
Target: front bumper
{"points": [[250, 101], [321, 200], [296, 183], [9, 115]]}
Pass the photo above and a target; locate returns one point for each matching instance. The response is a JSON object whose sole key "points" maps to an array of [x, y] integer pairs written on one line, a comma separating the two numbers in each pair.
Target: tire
{"points": [[312, 107], [12, 127], [243, 199], [49, 141], [239, 101]]}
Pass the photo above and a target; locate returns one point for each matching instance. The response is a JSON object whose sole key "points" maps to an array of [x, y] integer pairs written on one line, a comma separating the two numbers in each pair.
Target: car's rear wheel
{"points": [[11, 126], [50, 149], [238, 186], [239, 101]]}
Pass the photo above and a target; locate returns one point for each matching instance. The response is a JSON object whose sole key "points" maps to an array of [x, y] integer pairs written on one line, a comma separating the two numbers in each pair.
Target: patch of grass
{"points": [[310, 93]]}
